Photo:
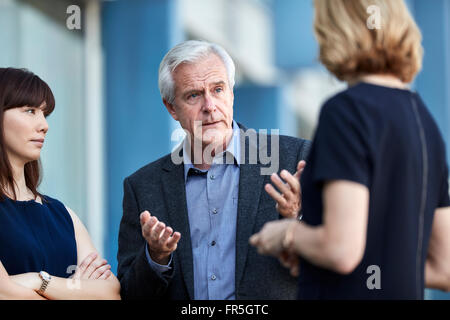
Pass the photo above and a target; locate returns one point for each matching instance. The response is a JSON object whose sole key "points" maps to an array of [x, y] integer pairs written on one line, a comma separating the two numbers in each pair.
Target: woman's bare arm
{"points": [[94, 281], [87, 283], [96, 289], [338, 243], [437, 266], [9, 290]]}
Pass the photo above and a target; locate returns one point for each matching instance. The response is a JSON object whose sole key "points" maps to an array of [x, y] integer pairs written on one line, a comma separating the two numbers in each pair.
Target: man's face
{"points": [[203, 100]]}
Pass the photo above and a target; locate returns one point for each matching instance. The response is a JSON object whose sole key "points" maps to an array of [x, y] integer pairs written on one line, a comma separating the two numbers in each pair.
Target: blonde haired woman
{"points": [[376, 215]]}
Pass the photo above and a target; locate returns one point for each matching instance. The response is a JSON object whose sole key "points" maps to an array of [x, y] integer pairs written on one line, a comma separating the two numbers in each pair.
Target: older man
{"points": [[187, 217]]}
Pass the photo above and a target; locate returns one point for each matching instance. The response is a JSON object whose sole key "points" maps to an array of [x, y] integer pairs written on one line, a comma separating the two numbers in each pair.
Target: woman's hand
{"points": [[269, 241], [93, 268]]}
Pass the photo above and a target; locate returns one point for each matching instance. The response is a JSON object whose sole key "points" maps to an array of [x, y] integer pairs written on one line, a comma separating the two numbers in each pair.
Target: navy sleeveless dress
{"points": [[35, 237]]}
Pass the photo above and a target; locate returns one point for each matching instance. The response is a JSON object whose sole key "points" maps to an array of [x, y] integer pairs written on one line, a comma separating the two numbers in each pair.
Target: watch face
{"points": [[45, 275]]}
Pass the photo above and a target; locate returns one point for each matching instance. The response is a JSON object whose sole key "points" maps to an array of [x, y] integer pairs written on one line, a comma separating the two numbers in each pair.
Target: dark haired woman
{"points": [[41, 241]]}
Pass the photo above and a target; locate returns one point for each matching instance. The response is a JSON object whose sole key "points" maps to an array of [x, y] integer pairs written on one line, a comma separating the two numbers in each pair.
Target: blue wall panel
{"points": [[433, 83], [295, 44], [264, 107], [136, 36]]}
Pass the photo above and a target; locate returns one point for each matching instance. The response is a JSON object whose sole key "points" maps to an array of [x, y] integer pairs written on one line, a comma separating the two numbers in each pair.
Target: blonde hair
{"points": [[350, 47]]}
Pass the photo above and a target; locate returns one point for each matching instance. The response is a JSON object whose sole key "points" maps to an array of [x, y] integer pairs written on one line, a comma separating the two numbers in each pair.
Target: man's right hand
{"points": [[161, 240]]}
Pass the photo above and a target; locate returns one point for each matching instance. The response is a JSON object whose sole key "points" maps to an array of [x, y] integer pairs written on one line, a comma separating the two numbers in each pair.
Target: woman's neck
{"points": [[20, 187], [385, 80]]}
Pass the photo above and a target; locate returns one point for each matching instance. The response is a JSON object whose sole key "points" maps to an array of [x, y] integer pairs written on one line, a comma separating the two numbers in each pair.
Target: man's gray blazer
{"points": [[159, 187]]}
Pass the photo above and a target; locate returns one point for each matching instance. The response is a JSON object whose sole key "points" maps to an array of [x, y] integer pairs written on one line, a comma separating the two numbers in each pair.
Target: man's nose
{"points": [[208, 104]]}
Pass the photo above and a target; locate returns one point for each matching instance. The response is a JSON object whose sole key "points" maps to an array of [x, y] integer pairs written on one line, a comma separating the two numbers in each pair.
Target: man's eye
{"points": [[219, 89], [193, 96]]}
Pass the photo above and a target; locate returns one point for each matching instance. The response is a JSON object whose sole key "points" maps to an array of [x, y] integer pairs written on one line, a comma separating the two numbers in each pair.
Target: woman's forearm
{"points": [[309, 242], [9, 290], [13, 291], [437, 266], [316, 246], [70, 289], [77, 289], [436, 277], [339, 242]]}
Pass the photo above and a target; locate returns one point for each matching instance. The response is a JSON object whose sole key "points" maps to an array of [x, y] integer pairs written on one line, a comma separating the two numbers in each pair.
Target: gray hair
{"points": [[188, 52]]}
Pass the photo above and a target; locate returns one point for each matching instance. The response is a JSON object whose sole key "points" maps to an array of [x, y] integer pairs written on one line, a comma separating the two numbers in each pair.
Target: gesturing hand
{"points": [[289, 201], [161, 240]]}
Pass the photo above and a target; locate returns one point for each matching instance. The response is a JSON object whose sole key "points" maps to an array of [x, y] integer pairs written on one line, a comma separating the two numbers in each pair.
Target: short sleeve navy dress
{"points": [[36, 237], [385, 139]]}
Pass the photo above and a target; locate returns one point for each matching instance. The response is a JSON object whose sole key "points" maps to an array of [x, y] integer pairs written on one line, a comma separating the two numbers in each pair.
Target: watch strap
{"points": [[44, 283]]}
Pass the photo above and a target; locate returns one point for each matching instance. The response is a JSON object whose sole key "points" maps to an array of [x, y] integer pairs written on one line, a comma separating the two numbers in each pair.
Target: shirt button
{"points": [[212, 177], [213, 277], [213, 243], [215, 211]]}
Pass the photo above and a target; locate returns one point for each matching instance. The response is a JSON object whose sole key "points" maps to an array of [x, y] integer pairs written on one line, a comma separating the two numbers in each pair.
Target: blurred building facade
{"points": [[109, 119]]}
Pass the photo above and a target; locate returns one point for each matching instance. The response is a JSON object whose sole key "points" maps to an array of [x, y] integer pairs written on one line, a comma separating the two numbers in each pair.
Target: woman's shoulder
{"points": [[340, 106], [351, 96], [48, 199], [363, 102], [53, 203], [344, 101], [57, 205], [59, 208]]}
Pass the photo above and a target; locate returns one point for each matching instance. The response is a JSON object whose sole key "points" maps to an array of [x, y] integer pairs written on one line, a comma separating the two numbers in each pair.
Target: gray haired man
{"points": [[186, 224]]}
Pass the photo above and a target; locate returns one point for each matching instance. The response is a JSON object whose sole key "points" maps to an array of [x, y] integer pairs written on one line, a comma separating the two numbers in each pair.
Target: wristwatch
{"points": [[45, 277]]}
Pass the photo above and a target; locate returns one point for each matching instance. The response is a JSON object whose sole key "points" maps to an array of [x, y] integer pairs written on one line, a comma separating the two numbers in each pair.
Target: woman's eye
{"points": [[32, 111]]}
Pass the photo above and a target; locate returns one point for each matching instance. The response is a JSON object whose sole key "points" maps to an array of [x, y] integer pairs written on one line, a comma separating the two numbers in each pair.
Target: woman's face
{"points": [[24, 133]]}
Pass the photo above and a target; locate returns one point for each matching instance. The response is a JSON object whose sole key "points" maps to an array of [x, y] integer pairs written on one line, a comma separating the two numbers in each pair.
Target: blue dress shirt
{"points": [[212, 199]]}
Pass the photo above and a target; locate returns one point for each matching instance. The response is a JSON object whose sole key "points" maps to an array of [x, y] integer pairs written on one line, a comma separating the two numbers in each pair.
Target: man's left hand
{"points": [[290, 199]]}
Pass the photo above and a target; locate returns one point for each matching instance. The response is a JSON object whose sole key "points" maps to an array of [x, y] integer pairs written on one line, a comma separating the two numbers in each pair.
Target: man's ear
{"points": [[171, 108]]}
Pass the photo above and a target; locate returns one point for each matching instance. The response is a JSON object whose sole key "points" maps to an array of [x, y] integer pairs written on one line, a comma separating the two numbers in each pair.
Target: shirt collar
{"points": [[233, 149]]}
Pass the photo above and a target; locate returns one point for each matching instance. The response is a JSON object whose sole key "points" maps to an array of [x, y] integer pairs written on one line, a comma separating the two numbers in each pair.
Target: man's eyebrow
{"points": [[190, 91], [221, 83], [193, 90]]}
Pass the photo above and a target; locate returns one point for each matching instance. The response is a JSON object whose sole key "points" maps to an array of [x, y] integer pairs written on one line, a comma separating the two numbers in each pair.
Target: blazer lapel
{"points": [[175, 196], [250, 185]]}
